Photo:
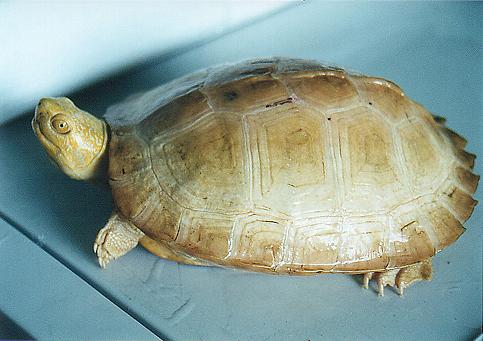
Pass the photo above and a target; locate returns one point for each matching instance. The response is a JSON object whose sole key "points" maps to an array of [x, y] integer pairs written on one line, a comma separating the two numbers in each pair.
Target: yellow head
{"points": [[74, 139]]}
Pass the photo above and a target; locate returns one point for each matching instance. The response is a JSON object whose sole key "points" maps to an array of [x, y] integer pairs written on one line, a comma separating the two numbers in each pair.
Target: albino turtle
{"points": [[283, 166]]}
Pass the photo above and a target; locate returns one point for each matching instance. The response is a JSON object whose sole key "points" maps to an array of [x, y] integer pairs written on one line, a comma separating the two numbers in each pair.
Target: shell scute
{"points": [[421, 156], [129, 153], [384, 96], [158, 218], [315, 247], [205, 234], [371, 173], [283, 165], [203, 167], [460, 202], [467, 179], [326, 90], [459, 141], [411, 244], [179, 112], [444, 224], [246, 94], [363, 244], [234, 72], [258, 241], [289, 151]]}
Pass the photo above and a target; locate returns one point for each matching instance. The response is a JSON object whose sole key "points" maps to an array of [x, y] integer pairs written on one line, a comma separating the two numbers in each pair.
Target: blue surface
{"points": [[58, 46], [432, 50], [50, 302]]}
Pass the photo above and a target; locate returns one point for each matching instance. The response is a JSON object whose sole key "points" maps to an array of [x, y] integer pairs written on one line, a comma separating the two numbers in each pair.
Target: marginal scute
{"points": [[439, 119], [410, 244], [458, 141], [460, 202], [467, 159], [258, 241], [315, 247], [205, 235], [467, 179], [444, 224], [363, 245]]}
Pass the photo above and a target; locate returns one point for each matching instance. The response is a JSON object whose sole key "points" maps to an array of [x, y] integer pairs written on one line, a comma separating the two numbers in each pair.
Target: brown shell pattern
{"points": [[290, 166]]}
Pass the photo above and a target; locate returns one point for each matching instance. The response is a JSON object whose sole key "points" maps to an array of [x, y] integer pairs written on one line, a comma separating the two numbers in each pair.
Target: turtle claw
{"points": [[400, 278], [100, 247], [367, 278]]}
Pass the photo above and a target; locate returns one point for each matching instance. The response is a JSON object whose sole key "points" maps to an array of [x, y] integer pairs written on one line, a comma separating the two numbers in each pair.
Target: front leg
{"points": [[115, 239]]}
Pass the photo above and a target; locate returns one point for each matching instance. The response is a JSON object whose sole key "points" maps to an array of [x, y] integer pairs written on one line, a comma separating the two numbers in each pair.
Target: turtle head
{"points": [[74, 139]]}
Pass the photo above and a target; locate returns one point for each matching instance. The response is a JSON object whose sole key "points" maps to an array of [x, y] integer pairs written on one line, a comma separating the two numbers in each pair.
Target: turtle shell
{"points": [[289, 166]]}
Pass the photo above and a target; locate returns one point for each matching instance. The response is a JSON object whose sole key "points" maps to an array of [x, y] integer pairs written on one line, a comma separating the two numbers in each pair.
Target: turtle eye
{"points": [[60, 125]]}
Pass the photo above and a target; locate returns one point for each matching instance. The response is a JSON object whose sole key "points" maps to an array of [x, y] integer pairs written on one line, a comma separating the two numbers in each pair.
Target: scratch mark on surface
{"points": [[164, 281], [181, 312], [3, 237]]}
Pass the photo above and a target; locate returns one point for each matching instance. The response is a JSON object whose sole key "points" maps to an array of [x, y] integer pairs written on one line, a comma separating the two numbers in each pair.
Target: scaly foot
{"points": [[115, 239]]}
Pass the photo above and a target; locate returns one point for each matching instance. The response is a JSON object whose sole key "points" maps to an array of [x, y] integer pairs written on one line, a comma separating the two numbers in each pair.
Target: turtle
{"points": [[276, 165]]}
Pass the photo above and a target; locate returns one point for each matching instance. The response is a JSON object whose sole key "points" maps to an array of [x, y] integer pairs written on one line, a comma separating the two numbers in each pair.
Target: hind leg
{"points": [[400, 278], [115, 239]]}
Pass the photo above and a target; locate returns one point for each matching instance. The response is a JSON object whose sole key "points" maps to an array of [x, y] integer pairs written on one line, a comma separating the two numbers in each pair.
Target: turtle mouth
{"points": [[52, 150]]}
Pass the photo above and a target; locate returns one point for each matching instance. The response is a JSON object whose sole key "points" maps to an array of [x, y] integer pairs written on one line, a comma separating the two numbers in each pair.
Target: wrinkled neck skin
{"points": [[96, 172]]}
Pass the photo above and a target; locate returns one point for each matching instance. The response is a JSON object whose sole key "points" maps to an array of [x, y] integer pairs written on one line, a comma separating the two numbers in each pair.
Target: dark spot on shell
{"points": [[282, 102], [230, 96], [410, 223], [257, 71], [123, 171], [182, 153], [452, 193], [270, 221], [328, 118], [370, 103]]}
